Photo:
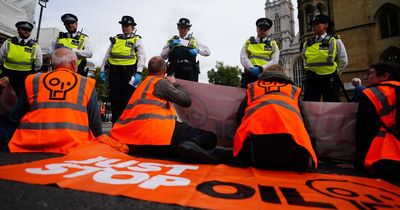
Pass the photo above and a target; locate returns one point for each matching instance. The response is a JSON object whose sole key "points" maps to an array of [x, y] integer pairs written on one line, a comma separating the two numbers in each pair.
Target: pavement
{"points": [[15, 195]]}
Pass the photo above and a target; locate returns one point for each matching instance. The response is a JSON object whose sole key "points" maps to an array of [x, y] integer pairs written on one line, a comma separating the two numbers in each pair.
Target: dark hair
{"points": [[392, 69]]}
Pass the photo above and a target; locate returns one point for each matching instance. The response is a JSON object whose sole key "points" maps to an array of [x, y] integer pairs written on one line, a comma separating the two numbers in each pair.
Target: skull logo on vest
{"points": [[271, 86], [59, 84]]}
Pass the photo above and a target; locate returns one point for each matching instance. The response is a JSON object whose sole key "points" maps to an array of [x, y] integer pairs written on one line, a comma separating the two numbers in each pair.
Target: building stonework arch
{"points": [[391, 54]]}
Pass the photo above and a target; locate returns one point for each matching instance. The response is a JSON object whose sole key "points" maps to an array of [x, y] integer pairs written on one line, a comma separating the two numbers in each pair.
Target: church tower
{"points": [[281, 13]]}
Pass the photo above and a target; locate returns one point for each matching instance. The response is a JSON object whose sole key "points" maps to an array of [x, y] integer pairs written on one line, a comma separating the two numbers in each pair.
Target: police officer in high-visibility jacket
{"points": [[272, 129], [378, 121], [324, 57], [124, 61], [57, 110], [258, 53], [75, 40], [20, 56], [181, 52], [148, 123]]}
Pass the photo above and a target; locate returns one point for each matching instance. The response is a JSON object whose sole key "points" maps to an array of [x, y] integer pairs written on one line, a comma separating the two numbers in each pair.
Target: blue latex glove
{"points": [[103, 75], [138, 78], [175, 42], [194, 51], [255, 71]]}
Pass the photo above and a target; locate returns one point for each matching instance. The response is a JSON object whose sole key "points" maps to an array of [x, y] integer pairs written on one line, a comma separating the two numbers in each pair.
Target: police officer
{"points": [[125, 60], [181, 52], [324, 57], [258, 53], [75, 40], [20, 56]]}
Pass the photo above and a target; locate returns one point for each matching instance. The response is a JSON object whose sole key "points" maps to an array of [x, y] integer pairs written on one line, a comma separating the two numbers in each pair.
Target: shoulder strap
{"points": [[253, 40]]}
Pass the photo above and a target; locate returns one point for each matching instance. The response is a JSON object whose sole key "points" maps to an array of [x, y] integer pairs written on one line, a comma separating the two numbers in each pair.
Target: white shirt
{"points": [[39, 55], [341, 54], [245, 60], [203, 49], [140, 53], [87, 51]]}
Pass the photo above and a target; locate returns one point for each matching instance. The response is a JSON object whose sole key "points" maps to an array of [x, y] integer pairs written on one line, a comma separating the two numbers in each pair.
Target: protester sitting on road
{"points": [[57, 111], [378, 121], [356, 82], [272, 127], [149, 123]]}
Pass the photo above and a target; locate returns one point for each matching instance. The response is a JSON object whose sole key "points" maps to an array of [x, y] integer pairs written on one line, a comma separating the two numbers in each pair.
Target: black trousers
{"points": [[120, 89], [274, 151], [185, 70], [326, 85], [17, 79], [82, 68], [182, 132]]}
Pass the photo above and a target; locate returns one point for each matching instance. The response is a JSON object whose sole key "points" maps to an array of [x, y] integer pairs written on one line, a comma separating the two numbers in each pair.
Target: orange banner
{"points": [[95, 167]]}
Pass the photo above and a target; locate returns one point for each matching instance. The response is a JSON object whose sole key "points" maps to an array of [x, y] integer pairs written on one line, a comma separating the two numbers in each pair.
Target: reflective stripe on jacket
{"points": [[320, 57], [77, 42], [20, 57], [260, 53], [385, 145], [123, 51], [57, 120], [146, 120], [272, 108]]}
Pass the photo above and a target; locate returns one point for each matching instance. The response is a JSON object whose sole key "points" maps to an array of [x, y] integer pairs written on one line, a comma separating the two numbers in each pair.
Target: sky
{"points": [[222, 25]]}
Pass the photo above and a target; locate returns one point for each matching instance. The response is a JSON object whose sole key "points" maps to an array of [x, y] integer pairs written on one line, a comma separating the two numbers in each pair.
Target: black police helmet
{"points": [[264, 23], [127, 20], [69, 18], [322, 19], [25, 25], [184, 22]]}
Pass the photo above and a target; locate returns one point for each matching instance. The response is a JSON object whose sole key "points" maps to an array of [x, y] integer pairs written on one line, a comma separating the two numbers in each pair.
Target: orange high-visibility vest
{"points": [[146, 120], [272, 108], [385, 145], [57, 120]]}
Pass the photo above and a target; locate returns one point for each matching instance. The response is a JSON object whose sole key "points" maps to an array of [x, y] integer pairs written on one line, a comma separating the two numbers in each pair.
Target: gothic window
{"points": [[388, 17], [300, 16], [309, 16], [392, 54], [277, 24], [320, 9], [298, 72]]}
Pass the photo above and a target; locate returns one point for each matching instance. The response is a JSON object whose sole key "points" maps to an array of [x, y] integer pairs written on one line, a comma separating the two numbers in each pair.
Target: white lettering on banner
{"points": [[105, 172], [106, 177], [163, 180]]}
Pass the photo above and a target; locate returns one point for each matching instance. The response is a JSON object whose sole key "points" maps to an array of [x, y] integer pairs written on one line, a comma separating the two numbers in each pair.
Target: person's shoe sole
{"points": [[195, 153]]}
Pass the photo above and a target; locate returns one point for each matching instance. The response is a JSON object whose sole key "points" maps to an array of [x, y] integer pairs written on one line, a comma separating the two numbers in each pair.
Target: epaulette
{"points": [[310, 41], [14, 40], [112, 40], [138, 35], [337, 36], [252, 40]]}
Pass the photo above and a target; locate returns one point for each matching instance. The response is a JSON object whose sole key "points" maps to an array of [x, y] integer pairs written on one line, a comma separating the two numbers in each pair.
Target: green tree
{"points": [[224, 75]]}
